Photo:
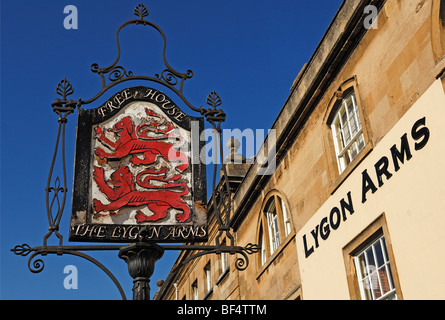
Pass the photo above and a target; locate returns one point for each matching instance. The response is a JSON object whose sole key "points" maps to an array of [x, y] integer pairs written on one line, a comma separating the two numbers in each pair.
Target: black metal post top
{"points": [[141, 258]]}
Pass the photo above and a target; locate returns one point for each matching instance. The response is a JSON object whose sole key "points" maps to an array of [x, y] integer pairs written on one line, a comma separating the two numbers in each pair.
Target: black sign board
{"points": [[138, 171]]}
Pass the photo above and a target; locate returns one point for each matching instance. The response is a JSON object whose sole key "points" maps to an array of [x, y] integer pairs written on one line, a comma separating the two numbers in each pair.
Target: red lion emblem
{"points": [[131, 141], [148, 139]]}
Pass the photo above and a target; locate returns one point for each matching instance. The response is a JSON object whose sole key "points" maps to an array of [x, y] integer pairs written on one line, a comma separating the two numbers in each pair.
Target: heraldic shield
{"points": [[138, 168]]}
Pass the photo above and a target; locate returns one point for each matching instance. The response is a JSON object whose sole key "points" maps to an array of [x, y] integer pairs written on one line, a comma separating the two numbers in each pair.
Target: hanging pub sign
{"points": [[137, 172]]}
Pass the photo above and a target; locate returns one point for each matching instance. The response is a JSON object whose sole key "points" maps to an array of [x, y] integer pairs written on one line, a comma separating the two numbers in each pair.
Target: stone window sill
{"points": [[222, 276]]}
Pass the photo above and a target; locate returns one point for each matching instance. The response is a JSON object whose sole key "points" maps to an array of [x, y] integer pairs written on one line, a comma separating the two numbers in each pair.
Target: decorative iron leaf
{"points": [[22, 250], [251, 248], [213, 100], [64, 89], [141, 11]]}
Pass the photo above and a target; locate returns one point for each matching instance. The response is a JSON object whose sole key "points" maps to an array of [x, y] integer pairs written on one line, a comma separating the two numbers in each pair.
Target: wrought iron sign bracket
{"points": [[140, 256], [116, 74]]}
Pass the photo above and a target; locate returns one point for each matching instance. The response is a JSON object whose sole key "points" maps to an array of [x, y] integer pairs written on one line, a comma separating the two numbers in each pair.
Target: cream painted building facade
{"points": [[356, 206]]}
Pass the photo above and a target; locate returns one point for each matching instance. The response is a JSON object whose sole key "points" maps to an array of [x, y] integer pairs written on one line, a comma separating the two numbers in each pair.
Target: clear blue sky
{"points": [[248, 51]]}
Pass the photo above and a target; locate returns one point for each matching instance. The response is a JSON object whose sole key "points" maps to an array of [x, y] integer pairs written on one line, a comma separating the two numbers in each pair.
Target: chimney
{"points": [[236, 164]]}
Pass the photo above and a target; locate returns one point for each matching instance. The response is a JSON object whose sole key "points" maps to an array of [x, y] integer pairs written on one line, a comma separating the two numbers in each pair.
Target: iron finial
{"points": [[64, 89], [141, 11]]}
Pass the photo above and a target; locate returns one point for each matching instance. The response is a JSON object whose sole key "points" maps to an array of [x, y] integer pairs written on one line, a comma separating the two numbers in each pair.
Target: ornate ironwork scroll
{"points": [[56, 189], [37, 265], [169, 77]]}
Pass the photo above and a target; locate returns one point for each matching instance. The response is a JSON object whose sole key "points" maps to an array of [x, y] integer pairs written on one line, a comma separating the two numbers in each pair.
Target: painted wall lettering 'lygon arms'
{"points": [[371, 181]]}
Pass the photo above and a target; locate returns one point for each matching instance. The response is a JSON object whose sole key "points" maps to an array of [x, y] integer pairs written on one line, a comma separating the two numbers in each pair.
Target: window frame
{"points": [[438, 30], [223, 265], [273, 227], [208, 277], [224, 259], [361, 243], [195, 291], [286, 217], [341, 128], [270, 247], [261, 242], [374, 276], [208, 280], [335, 175]]}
